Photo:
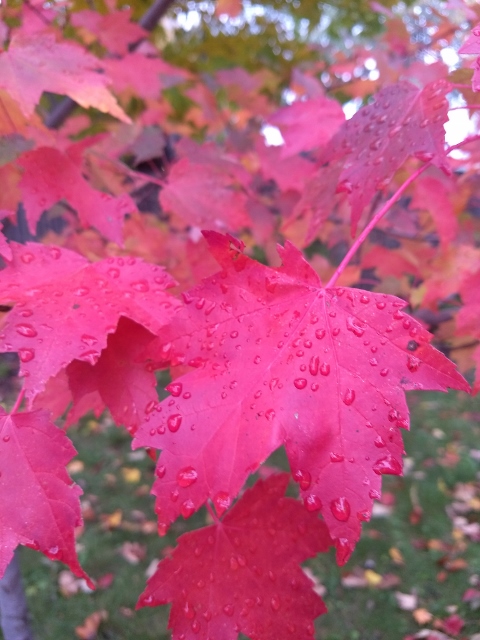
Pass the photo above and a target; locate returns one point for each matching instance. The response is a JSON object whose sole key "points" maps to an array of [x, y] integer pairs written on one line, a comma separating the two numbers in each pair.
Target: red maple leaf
{"points": [[242, 574], [65, 306], [321, 371], [39, 503], [51, 175], [37, 63], [368, 149], [204, 193]]}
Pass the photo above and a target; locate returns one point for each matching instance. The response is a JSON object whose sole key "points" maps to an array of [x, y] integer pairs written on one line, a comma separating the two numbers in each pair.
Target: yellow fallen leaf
{"points": [[396, 555], [131, 474], [373, 579]]}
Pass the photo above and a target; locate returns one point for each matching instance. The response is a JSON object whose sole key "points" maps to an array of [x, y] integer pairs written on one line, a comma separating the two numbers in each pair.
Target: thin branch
{"points": [[148, 21], [379, 215], [376, 218], [15, 619]]}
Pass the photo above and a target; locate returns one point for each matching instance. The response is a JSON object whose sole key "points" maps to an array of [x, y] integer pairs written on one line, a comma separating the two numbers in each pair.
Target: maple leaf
{"points": [[308, 124], [145, 75], [285, 361], [39, 502], [242, 574], [204, 194], [369, 148], [51, 175], [37, 63], [65, 306]]}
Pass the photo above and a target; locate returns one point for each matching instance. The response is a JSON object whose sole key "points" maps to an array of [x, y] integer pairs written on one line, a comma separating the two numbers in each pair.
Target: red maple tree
{"points": [[149, 273]]}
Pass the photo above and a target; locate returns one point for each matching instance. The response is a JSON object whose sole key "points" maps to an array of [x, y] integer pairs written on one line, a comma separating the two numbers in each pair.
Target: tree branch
{"points": [[15, 619], [148, 21]]}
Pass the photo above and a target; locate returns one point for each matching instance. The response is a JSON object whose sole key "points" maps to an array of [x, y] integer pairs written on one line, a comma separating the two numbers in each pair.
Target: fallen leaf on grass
{"points": [[89, 629], [362, 578], [406, 601], [133, 552], [396, 556], [422, 616], [111, 520], [453, 624], [69, 585]]}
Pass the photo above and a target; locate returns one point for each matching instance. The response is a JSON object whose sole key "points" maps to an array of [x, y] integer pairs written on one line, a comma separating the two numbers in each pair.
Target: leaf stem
{"points": [[18, 402], [378, 216], [465, 106]]}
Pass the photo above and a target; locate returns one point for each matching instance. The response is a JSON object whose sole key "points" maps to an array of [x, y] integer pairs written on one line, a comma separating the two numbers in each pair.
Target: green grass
{"points": [[440, 460]]}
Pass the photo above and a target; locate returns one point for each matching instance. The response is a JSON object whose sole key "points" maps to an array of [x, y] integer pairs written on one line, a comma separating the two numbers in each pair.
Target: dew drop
{"points": [[349, 397], [413, 364], [387, 466], [141, 286], [354, 327], [257, 360], [81, 291], [26, 355], [379, 442], [325, 369], [175, 388], [222, 501], [364, 299], [364, 516], [186, 477], [90, 356], [234, 334], [336, 457], [26, 330], [314, 365], [384, 372], [270, 414], [27, 258], [187, 508], [88, 340], [275, 603], [6, 438], [340, 508], [196, 626], [303, 478], [174, 421], [320, 334], [229, 610], [300, 383], [312, 503], [381, 305]]}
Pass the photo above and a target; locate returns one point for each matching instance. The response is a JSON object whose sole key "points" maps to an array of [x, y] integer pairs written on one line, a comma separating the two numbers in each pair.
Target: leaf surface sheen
{"points": [[282, 361], [242, 574]]}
